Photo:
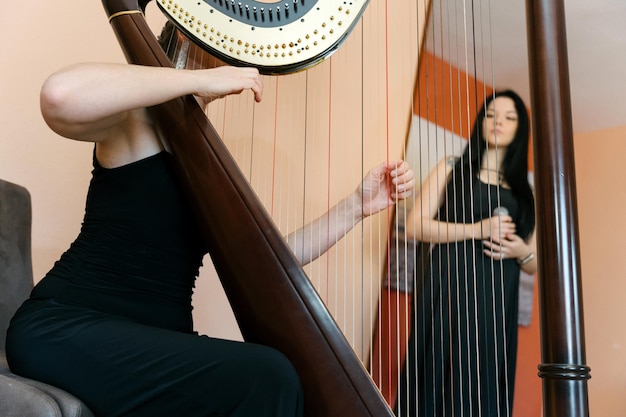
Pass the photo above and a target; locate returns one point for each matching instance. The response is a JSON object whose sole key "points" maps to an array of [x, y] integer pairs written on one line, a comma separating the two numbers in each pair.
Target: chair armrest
{"points": [[69, 405], [21, 400], [17, 393]]}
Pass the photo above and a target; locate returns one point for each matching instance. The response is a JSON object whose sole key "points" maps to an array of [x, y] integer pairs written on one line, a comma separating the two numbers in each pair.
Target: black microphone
{"points": [[500, 211]]}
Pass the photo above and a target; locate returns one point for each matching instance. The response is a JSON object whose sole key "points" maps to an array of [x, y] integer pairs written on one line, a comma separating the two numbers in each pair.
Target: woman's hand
{"points": [[507, 247], [222, 81], [499, 238], [496, 227], [384, 185]]}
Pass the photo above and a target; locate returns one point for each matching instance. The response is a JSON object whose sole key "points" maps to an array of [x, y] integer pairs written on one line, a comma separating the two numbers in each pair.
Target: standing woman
{"points": [[475, 216]]}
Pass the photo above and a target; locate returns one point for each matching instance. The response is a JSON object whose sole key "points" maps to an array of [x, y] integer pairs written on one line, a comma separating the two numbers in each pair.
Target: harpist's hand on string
{"points": [[381, 187], [222, 81], [384, 185], [94, 101]]}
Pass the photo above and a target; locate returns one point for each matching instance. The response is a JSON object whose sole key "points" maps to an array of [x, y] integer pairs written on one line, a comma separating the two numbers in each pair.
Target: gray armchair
{"points": [[22, 397]]}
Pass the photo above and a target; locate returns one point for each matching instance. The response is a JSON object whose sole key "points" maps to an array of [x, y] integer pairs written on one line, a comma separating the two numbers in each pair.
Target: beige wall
{"points": [[37, 40], [601, 183]]}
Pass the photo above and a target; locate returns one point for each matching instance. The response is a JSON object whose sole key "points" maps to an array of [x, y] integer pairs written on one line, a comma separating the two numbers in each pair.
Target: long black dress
{"points": [[111, 322], [462, 351]]}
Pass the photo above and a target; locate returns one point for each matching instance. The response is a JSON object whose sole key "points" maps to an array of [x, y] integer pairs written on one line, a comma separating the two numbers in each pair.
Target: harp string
{"points": [[393, 306], [456, 334], [477, 345], [478, 59], [448, 21], [402, 309], [496, 279], [272, 187]]}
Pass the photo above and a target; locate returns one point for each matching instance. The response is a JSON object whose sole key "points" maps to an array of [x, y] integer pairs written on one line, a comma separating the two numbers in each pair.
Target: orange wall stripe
{"points": [[447, 96]]}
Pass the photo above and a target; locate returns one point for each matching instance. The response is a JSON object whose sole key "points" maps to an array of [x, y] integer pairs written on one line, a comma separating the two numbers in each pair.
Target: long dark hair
{"points": [[514, 165]]}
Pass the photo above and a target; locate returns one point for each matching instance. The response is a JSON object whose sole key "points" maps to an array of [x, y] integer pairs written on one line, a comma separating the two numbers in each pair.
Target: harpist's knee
{"points": [[273, 368], [273, 386]]}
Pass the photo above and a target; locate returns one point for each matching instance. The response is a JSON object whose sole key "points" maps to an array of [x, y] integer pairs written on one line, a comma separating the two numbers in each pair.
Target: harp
{"points": [[564, 370], [334, 379]]}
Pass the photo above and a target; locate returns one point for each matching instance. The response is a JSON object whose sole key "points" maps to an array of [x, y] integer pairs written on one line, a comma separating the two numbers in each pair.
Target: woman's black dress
{"points": [[111, 322], [462, 349]]}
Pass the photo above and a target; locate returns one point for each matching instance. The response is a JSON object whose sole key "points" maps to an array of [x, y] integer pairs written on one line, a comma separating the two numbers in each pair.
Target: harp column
{"points": [[563, 369]]}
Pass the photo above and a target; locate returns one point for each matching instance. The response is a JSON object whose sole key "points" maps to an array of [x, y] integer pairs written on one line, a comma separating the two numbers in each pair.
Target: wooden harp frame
{"points": [[334, 379], [564, 370]]}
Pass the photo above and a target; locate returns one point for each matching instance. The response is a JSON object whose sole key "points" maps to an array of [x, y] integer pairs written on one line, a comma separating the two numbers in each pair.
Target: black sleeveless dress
{"points": [[463, 346], [111, 322]]}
